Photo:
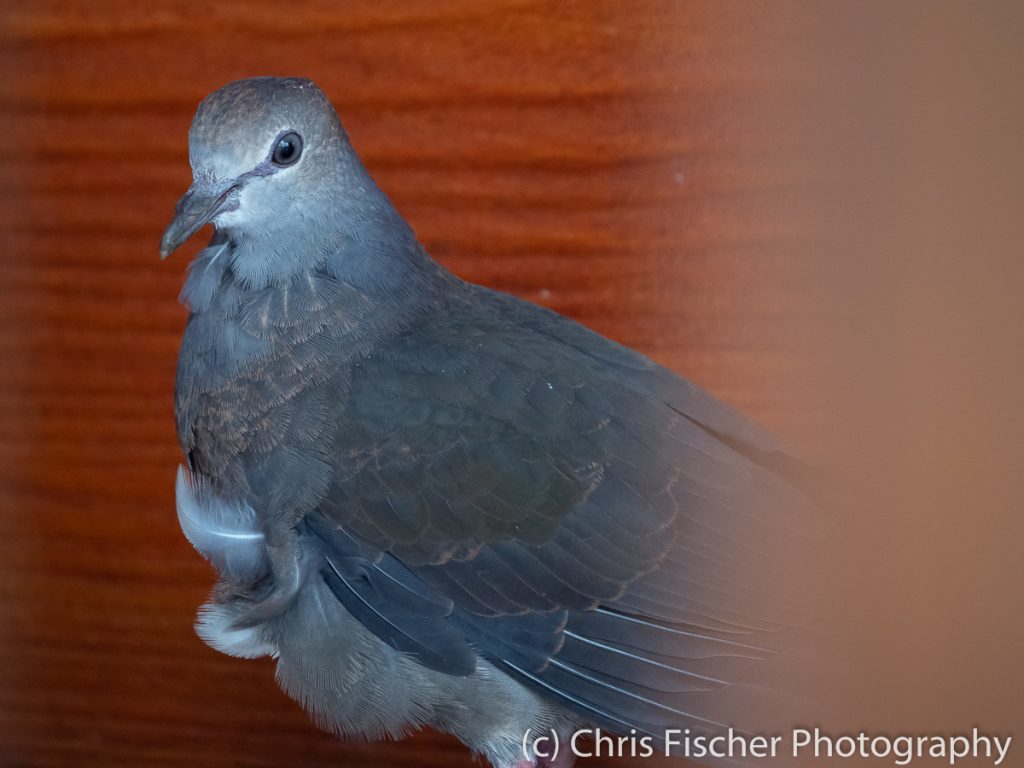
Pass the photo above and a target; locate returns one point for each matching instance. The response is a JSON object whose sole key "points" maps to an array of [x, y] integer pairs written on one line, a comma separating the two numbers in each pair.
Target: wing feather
{"points": [[595, 525]]}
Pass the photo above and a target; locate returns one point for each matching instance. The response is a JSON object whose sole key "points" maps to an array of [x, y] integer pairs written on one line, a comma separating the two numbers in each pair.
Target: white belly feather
{"points": [[226, 534]]}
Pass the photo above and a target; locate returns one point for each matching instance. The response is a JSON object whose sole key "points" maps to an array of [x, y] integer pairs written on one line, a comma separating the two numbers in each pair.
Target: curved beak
{"points": [[197, 207]]}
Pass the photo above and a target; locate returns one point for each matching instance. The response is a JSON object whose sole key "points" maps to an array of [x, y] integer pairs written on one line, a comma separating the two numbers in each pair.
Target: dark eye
{"points": [[287, 150]]}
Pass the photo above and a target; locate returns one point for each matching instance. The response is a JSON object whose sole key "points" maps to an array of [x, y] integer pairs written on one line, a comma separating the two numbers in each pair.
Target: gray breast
{"points": [[225, 533]]}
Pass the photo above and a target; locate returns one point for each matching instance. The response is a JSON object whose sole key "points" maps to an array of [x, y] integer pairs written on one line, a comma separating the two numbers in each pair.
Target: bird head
{"points": [[266, 153]]}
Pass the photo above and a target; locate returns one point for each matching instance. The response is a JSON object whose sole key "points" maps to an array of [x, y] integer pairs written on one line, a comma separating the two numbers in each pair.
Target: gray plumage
{"points": [[437, 504]]}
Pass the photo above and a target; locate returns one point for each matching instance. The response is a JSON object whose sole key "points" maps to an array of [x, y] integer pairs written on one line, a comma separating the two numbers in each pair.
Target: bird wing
{"points": [[506, 481]]}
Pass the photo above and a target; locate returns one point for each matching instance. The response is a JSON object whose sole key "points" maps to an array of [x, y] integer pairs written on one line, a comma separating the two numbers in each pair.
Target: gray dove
{"points": [[437, 505]]}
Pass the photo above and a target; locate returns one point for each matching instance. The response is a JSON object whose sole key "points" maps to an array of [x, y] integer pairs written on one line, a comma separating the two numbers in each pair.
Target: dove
{"points": [[438, 505]]}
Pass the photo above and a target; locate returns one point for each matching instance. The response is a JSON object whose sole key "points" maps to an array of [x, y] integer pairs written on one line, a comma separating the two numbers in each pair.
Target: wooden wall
{"points": [[636, 166]]}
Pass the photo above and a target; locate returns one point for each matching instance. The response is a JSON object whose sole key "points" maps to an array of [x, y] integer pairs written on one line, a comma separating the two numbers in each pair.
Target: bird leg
{"points": [[287, 577]]}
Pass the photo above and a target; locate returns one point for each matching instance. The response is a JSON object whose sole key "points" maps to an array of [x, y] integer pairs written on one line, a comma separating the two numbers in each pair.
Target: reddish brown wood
{"points": [[632, 165]]}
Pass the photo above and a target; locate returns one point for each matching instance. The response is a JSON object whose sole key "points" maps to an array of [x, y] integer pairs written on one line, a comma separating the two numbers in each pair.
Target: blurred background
{"points": [[814, 211]]}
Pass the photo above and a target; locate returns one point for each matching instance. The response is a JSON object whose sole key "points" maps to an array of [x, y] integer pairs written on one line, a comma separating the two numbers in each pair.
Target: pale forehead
{"points": [[235, 126]]}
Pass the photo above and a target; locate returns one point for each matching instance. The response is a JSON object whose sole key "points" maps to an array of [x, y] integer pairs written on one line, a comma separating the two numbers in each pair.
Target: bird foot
{"points": [[288, 571]]}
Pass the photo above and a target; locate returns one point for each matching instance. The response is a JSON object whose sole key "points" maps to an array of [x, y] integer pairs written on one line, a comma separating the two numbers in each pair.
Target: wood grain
{"points": [[633, 165]]}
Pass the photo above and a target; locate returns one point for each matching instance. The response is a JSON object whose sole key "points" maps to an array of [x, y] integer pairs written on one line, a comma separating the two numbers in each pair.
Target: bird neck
{"points": [[346, 227]]}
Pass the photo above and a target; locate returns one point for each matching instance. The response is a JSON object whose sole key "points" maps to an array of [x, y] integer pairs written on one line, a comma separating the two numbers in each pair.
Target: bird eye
{"points": [[287, 150]]}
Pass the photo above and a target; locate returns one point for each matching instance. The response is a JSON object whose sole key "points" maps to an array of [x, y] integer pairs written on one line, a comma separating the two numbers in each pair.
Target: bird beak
{"points": [[197, 207]]}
